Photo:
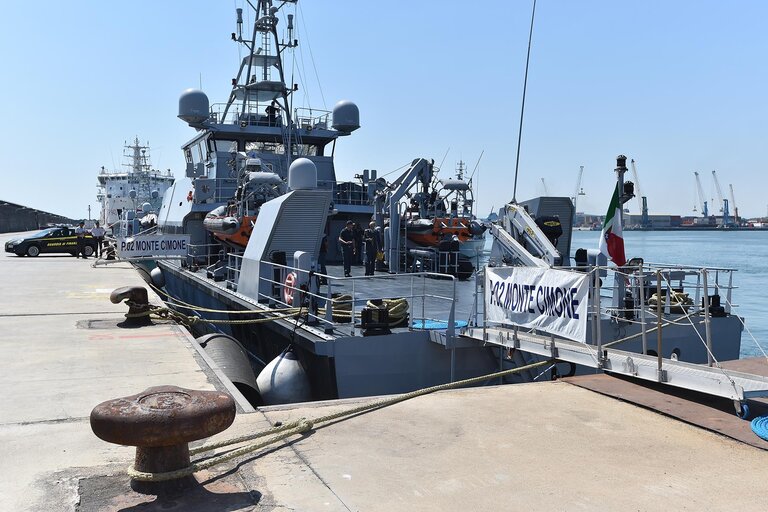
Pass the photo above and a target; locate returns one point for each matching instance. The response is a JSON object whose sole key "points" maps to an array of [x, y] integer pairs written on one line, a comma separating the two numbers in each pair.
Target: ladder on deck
{"points": [[737, 386]]}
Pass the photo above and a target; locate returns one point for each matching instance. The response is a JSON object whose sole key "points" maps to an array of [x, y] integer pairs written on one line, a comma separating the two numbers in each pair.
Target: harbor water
{"points": [[745, 251]]}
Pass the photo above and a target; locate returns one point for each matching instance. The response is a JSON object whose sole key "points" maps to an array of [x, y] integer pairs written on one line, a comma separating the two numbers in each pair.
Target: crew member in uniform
{"points": [[370, 237], [347, 241], [98, 233], [80, 233]]}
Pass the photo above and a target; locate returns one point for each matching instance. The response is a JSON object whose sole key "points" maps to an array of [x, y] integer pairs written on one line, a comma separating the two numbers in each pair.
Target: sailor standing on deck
{"points": [[98, 233], [347, 241], [80, 232], [370, 237]]}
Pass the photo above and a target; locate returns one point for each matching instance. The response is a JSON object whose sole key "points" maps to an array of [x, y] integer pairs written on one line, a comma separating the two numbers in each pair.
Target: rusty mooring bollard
{"points": [[160, 422], [138, 302]]}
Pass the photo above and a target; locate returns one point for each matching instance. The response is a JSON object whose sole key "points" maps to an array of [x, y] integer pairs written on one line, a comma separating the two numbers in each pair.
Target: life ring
{"points": [[290, 283]]}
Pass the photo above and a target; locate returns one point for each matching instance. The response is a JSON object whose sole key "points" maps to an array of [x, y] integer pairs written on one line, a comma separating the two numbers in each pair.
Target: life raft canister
{"points": [[290, 283]]}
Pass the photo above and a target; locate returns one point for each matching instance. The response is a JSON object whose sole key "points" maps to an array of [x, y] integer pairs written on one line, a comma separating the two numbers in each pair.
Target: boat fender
{"points": [[284, 381], [158, 279], [290, 283]]}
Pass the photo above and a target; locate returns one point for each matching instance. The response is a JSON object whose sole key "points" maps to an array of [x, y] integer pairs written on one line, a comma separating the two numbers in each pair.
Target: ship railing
{"points": [[346, 192], [337, 304], [311, 119], [650, 295], [203, 255], [234, 263], [252, 115], [255, 114]]}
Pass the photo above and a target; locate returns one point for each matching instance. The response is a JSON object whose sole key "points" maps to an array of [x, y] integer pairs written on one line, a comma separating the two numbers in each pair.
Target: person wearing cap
{"points": [[80, 232], [98, 233], [347, 241]]}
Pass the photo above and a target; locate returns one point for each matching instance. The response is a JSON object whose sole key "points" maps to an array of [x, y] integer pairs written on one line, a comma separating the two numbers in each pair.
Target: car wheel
{"points": [[33, 250], [88, 251]]}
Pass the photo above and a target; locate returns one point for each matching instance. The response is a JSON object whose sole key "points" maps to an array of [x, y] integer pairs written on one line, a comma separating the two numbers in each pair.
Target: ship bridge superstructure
{"points": [[258, 125]]}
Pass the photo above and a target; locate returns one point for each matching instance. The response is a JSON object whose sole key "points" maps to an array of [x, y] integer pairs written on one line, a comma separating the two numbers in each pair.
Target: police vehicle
{"points": [[55, 239]]}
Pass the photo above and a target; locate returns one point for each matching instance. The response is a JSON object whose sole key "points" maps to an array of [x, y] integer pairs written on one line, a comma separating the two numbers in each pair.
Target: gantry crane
{"points": [[546, 190], [723, 201], [733, 205], [642, 201], [702, 197], [579, 191]]}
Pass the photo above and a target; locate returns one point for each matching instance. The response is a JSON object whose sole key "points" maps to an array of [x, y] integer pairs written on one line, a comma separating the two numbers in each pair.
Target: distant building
{"points": [[15, 217]]}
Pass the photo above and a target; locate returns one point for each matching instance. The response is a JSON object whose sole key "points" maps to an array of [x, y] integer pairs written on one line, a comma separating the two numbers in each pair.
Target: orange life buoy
{"points": [[290, 283]]}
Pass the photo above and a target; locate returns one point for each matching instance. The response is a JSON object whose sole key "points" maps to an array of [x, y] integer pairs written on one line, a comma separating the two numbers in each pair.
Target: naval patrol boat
{"points": [[260, 283]]}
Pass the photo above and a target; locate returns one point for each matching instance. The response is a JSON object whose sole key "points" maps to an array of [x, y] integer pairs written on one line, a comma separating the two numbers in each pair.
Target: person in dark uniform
{"points": [[321, 258], [347, 241], [357, 231], [80, 233], [371, 239]]}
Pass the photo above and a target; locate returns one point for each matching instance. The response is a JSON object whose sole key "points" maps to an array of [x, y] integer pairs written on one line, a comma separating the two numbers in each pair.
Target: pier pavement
{"points": [[541, 446]]}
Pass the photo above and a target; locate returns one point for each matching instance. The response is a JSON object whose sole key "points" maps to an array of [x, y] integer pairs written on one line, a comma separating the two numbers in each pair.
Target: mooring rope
{"points": [[304, 425]]}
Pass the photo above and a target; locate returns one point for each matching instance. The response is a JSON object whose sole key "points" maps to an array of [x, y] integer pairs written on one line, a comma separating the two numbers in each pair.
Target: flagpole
{"points": [[522, 106]]}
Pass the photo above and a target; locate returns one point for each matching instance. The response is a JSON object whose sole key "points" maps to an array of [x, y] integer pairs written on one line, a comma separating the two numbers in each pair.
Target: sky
{"points": [[678, 86]]}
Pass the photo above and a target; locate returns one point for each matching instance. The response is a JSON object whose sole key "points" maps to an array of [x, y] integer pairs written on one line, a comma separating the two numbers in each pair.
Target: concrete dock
{"points": [[544, 446]]}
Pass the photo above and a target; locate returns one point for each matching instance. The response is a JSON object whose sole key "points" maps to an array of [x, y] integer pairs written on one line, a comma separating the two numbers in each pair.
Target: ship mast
{"points": [[253, 89]]}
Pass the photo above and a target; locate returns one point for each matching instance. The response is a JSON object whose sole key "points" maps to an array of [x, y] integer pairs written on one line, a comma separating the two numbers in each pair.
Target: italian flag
{"points": [[611, 241]]}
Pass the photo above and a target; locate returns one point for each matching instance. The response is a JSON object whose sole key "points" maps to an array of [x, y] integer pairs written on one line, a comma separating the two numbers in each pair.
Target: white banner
{"points": [[152, 245], [554, 301]]}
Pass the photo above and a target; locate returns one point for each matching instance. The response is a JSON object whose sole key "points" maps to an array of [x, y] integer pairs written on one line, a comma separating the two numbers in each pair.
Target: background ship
{"points": [[126, 196]]}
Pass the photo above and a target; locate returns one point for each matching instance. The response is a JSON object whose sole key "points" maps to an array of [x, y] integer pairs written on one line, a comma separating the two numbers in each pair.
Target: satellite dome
{"points": [[346, 117], [155, 194], [193, 106], [132, 194], [302, 174], [146, 207]]}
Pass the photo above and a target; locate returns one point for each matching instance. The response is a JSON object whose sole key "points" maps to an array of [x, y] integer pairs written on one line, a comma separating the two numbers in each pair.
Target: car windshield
{"points": [[43, 233]]}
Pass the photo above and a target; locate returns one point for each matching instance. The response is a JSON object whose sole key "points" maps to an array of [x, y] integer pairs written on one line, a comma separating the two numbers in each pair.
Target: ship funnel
{"points": [[193, 107], [346, 117]]}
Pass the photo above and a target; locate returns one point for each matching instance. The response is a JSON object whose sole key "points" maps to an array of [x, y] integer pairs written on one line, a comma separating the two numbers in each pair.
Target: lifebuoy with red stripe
{"points": [[288, 288]]}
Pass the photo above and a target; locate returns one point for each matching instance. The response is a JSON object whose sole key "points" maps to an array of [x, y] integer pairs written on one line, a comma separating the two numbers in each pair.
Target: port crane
{"points": [[579, 191], [733, 204], [723, 201], [702, 197], [546, 190], [642, 201]]}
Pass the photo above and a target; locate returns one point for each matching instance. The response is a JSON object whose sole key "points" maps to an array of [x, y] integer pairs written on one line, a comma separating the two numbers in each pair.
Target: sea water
{"points": [[744, 251]]}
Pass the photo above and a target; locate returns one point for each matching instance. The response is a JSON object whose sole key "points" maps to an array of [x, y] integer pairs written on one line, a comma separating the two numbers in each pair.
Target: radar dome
{"points": [[346, 117], [302, 174], [193, 106]]}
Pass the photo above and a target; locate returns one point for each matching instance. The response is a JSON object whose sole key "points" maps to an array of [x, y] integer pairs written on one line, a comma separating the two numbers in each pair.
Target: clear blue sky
{"points": [[677, 85]]}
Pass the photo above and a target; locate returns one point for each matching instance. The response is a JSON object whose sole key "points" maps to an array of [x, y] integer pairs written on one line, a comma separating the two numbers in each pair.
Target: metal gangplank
{"points": [[714, 380]]}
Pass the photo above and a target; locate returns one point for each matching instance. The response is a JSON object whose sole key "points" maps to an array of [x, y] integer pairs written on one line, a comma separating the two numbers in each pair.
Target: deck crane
{"points": [[642, 201], [702, 197], [579, 191], [733, 205], [723, 201]]}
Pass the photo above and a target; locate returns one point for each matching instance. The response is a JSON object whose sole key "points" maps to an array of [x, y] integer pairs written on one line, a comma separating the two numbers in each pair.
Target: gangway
{"points": [[696, 325], [733, 385]]}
